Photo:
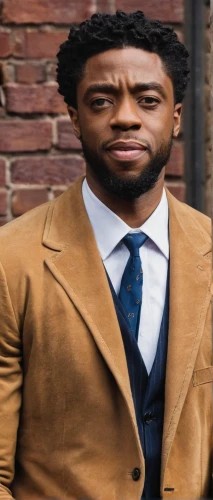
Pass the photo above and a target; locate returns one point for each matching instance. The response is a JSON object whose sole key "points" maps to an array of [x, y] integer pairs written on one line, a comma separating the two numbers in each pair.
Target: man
{"points": [[105, 292]]}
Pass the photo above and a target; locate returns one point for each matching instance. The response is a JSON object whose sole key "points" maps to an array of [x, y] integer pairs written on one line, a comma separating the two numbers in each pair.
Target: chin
{"points": [[126, 175]]}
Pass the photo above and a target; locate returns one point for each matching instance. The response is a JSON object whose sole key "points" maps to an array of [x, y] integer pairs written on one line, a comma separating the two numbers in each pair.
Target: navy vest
{"points": [[148, 394]]}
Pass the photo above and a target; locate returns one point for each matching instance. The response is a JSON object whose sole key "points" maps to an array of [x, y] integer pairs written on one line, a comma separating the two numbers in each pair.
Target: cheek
{"points": [[91, 123], [92, 132], [161, 127]]}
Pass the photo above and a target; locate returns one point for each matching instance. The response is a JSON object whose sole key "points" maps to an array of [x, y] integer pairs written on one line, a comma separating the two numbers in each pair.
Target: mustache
{"points": [[143, 142]]}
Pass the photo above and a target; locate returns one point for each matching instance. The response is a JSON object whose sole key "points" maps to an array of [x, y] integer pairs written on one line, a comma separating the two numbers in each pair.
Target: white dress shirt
{"points": [[109, 230]]}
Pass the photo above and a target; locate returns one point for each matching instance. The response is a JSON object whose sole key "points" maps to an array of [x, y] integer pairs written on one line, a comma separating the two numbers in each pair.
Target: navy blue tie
{"points": [[130, 293]]}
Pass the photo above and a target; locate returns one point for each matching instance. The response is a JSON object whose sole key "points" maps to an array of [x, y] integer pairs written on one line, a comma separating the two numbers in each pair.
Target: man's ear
{"points": [[75, 120], [177, 119]]}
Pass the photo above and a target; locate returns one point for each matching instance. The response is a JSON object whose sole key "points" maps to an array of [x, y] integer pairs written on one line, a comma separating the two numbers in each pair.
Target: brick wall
{"points": [[39, 154]]}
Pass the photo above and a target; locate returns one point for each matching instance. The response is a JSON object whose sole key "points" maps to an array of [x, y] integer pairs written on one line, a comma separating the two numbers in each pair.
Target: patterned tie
{"points": [[130, 293]]}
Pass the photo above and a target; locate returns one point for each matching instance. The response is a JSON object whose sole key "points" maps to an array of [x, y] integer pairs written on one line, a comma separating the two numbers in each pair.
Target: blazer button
{"points": [[148, 417], [136, 474]]}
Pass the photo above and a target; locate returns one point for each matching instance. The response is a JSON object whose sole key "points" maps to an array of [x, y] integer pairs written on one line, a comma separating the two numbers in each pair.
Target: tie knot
{"points": [[134, 241]]}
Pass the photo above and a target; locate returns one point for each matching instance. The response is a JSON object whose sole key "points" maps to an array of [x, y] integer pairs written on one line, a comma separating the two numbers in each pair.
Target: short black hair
{"points": [[113, 31]]}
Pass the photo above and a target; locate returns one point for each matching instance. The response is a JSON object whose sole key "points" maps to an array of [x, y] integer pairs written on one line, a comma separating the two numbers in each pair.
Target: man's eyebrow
{"points": [[109, 88], [142, 87]]}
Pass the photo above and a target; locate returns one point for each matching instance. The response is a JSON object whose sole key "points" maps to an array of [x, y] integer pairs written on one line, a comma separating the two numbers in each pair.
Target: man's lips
{"points": [[127, 150]]}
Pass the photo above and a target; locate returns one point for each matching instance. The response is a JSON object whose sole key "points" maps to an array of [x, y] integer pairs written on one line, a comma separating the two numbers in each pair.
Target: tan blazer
{"points": [[77, 432]]}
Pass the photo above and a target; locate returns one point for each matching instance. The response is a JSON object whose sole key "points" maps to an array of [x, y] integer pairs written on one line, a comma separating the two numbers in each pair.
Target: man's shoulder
{"points": [[188, 215], [198, 217], [30, 222], [21, 237], [28, 234]]}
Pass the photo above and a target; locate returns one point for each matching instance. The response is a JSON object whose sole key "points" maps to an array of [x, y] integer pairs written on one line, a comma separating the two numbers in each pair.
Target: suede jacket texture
{"points": [[67, 421]]}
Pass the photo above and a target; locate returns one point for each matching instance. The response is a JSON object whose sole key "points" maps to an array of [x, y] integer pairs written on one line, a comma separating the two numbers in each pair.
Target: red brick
{"points": [[2, 111], [177, 189], [30, 73], [2, 172], [103, 6], [46, 11], [49, 171], [31, 44], [44, 44], [3, 203], [58, 192], [66, 136], [2, 93], [25, 199], [5, 44], [3, 221], [25, 135], [166, 11], [51, 71], [34, 99], [175, 166], [18, 43], [7, 72]]}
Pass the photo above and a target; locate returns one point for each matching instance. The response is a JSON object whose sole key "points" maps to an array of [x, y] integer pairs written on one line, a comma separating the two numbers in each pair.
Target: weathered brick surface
{"points": [[66, 136], [50, 171], [7, 72], [51, 71], [166, 10], [30, 73], [25, 135], [43, 44], [35, 44], [5, 44], [2, 172], [58, 192], [18, 43], [175, 164], [3, 221], [44, 151], [46, 11], [25, 199], [3, 202], [104, 6], [34, 99]]}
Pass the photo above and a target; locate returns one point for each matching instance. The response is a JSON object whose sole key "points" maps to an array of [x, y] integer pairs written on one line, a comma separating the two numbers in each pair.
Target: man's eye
{"points": [[150, 101], [100, 103]]}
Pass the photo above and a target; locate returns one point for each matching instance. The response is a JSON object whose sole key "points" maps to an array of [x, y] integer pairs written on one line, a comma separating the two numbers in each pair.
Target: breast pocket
{"points": [[203, 376]]}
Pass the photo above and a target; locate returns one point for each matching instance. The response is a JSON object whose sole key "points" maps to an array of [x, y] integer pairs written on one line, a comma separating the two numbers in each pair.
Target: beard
{"points": [[134, 186]]}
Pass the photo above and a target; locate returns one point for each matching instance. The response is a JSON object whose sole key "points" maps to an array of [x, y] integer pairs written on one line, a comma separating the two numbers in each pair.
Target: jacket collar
{"points": [[156, 226], [70, 208]]}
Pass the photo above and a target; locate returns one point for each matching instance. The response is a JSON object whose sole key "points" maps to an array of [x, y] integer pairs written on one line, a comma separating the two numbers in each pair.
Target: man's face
{"points": [[126, 119]]}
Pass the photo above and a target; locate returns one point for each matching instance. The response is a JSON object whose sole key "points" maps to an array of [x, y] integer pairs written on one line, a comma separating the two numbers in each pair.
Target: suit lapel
{"points": [[190, 277], [76, 264]]}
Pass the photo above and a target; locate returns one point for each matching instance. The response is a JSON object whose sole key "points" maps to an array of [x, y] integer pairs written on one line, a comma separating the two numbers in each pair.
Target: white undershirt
{"points": [[109, 230]]}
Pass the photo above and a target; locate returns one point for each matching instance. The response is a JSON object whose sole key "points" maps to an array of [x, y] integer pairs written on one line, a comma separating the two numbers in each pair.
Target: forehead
{"points": [[129, 65]]}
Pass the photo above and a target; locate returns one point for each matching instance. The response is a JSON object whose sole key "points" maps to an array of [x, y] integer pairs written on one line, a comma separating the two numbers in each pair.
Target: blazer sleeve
{"points": [[10, 387]]}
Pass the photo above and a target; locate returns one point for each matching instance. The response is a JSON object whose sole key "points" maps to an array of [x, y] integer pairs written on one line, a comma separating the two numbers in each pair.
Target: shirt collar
{"points": [[109, 229]]}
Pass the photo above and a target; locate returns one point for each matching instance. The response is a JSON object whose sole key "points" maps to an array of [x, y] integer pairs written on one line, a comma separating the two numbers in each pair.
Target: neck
{"points": [[133, 212]]}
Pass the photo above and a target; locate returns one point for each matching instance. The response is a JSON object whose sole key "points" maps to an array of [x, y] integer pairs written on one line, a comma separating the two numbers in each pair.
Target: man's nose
{"points": [[125, 116]]}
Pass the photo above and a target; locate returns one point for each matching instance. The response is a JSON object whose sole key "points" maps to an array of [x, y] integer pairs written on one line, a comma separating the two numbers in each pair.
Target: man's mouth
{"points": [[127, 150]]}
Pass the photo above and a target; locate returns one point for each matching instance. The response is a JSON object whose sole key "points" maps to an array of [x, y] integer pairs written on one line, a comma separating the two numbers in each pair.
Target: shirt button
{"points": [[136, 474], [148, 417]]}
